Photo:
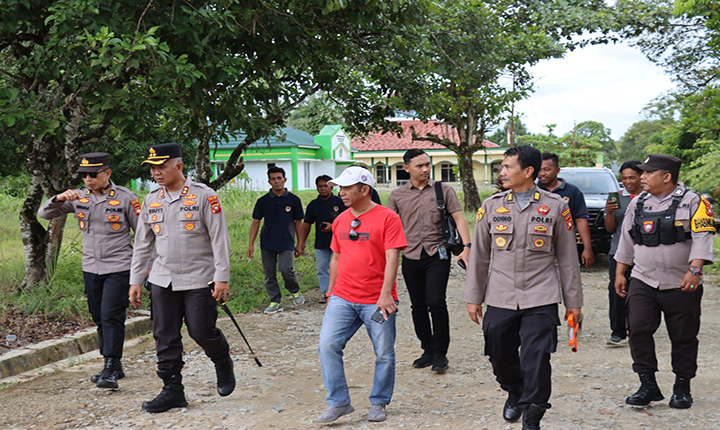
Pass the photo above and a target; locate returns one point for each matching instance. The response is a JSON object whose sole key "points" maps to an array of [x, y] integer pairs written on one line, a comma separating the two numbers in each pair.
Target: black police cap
{"points": [[661, 162], [159, 154], [93, 161]]}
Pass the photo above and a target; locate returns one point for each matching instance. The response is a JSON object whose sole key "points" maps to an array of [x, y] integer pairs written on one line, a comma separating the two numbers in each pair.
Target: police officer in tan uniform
{"points": [[520, 237], [186, 223], [667, 234], [105, 212]]}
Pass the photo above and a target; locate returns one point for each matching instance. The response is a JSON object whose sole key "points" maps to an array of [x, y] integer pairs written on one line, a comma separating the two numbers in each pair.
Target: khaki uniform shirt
{"points": [[664, 266], [190, 235], [514, 254], [418, 210], [105, 221]]}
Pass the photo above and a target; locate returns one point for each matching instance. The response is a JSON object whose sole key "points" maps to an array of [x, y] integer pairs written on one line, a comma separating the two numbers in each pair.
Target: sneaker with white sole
{"points": [[616, 341], [333, 413], [377, 413], [298, 298], [274, 308]]}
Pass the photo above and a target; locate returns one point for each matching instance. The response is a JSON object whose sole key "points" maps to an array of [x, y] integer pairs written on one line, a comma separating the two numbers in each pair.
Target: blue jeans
{"points": [[322, 265], [342, 320]]}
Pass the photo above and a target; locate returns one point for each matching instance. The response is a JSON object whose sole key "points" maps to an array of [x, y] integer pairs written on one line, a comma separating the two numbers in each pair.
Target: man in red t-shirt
{"points": [[367, 240]]}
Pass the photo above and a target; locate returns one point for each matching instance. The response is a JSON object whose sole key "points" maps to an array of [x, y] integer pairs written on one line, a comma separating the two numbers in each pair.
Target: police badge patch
{"points": [[648, 226]]}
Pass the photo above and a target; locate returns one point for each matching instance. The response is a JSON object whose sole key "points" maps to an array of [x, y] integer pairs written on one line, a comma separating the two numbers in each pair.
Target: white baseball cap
{"points": [[354, 175]]}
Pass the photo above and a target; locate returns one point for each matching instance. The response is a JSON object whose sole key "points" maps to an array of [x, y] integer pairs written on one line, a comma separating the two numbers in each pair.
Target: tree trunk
{"points": [[471, 200], [33, 237]]}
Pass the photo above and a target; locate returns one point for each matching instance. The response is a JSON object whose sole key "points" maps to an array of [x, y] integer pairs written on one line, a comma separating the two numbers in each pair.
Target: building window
{"points": [[402, 176], [383, 174], [447, 173]]}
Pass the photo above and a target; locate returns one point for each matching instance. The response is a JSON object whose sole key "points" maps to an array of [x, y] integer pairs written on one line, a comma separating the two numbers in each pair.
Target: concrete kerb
{"points": [[73, 346]]}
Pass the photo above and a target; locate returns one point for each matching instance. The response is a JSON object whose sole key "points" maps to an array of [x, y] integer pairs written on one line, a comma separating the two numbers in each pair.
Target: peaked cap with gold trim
{"points": [[93, 161], [159, 154]]}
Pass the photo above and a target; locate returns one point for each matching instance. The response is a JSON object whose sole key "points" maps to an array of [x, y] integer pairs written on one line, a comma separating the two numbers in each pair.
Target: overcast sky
{"points": [[604, 83]]}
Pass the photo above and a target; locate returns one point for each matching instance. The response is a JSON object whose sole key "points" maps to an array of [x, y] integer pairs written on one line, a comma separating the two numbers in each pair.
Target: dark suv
{"points": [[595, 184]]}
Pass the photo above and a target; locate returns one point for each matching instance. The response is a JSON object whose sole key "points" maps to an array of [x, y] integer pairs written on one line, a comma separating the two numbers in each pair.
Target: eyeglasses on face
{"points": [[93, 174], [353, 225]]}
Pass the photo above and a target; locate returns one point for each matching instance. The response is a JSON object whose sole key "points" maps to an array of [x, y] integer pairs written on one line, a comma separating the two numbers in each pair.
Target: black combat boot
{"points": [[511, 411], [648, 391], [532, 416], [225, 376], [681, 398], [108, 377], [171, 396]]}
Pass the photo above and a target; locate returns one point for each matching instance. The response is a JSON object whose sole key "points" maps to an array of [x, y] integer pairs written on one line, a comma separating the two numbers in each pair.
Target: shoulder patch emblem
{"points": [[648, 226], [510, 197], [214, 204], [569, 224], [502, 210], [155, 204], [501, 242], [540, 229], [480, 215], [185, 190], [543, 210], [539, 243], [536, 196], [136, 205], [703, 219], [565, 213], [501, 227], [111, 193], [114, 202]]}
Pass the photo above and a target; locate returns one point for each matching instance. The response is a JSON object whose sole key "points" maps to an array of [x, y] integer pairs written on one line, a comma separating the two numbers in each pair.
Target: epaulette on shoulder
{"points": [[499, 195]]}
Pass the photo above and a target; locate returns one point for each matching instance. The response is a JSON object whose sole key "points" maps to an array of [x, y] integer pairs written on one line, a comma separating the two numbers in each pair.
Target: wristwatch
{"points": [[695, 270], [467, 245]]}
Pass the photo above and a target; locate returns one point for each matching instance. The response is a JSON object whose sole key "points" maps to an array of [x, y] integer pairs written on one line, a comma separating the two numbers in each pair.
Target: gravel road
{"points": [[589, 387]]}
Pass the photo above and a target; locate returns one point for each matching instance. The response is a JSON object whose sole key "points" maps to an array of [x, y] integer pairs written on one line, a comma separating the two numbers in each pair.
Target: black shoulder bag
{"points": [[451, 237]]}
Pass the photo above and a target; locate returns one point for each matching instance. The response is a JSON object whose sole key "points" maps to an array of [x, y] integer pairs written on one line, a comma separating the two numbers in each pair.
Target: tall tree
{"points": [[634, 143], [75, 72]]}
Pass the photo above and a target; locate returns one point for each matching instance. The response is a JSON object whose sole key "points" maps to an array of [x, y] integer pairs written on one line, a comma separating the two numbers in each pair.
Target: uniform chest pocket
{"points": [[502, 235], [114, 221], [190, 222], [156, 223], [540, 237]]}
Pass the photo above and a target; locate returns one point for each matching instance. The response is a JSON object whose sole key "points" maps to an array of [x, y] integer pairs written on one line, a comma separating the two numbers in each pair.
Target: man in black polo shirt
{"points": [[322, 212], [283, 216], [548, 180]]}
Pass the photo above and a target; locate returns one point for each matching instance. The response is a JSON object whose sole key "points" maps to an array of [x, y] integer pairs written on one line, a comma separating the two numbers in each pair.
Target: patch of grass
{"points": [[8, 384]]}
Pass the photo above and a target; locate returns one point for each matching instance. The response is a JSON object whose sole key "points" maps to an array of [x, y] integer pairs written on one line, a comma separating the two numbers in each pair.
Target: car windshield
{"points": [[591, 182]]}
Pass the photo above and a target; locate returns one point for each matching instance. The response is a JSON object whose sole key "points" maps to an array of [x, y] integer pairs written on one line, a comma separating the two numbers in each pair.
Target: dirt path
{"points": [[589, 387]]}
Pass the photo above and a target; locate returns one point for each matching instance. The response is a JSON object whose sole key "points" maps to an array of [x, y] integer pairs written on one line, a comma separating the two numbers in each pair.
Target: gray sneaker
{"points": [[333, 413], [298, 298], [377, 413], [274, 308]]}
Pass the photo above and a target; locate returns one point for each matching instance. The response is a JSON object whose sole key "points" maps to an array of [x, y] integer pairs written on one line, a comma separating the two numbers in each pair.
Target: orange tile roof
{"points": [[390, 141]]}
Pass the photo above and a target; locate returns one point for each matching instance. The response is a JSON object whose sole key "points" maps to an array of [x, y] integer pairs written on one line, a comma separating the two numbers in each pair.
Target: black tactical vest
{"points": [[655, 228]]}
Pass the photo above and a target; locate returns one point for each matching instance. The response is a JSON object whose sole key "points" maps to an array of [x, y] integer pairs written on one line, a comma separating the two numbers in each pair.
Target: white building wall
{"points": [[257, 171]]}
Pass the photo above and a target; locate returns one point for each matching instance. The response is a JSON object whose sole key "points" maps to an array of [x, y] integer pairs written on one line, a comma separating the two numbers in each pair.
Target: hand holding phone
{"points": [[378, 316], [461, 263]]}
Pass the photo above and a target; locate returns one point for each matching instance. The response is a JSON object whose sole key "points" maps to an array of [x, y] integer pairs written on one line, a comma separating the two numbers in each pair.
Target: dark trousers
{"points": [[426, 281], [199, 309], [618, 310], [534, 329], [282, 260], [107, 297], [682, 319]]}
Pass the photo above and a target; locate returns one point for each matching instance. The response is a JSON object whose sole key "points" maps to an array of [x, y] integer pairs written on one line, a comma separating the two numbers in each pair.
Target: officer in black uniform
{"points": [[185, 221], [105, 212], [667, 234]]}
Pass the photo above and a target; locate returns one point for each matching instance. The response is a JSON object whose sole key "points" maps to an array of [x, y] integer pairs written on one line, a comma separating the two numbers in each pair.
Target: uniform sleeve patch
{"points": [[214, 204], [136, 205], [569, 224], [703, 219], [480, 215]]}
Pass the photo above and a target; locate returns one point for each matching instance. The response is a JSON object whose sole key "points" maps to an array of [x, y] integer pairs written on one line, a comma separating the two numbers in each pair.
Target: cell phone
{"points": [[442, 252], [461, 263], [378, 316], [613, 197]]}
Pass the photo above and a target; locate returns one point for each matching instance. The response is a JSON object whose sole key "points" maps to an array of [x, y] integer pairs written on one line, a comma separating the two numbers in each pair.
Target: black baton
{"points": [[224, 307]]}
